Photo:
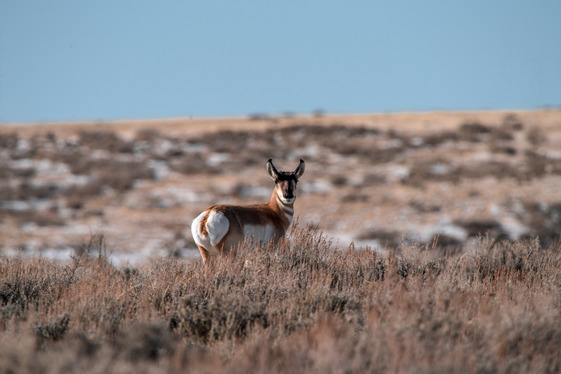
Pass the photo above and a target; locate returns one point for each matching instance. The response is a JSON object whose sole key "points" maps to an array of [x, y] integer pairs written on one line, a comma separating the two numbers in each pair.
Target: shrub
{"points": [[9, 141], [300, 306], [105, 141], [53, 331]]}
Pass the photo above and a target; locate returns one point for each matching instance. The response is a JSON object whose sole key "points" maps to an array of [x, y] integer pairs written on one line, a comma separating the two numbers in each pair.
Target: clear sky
{"points": [[66, 60]]}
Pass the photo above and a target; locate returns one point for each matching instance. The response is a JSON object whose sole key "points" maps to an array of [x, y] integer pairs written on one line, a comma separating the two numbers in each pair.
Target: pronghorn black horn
{"points": [[272, 170], [300, 169]]}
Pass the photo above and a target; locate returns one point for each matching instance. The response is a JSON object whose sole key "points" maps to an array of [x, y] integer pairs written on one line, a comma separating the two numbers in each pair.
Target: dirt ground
{"points": [[373, 179]]}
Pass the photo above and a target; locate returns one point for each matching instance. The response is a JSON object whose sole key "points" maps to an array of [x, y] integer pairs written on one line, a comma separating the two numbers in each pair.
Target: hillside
{"points": [[376, 180]]}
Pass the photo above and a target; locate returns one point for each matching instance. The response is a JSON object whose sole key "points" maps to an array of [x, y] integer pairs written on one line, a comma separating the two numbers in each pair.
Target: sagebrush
{"points": [[302, 306]]}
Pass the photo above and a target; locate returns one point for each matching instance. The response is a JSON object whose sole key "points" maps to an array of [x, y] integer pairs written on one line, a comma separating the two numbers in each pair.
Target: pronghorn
{"points": [[222, 227]]}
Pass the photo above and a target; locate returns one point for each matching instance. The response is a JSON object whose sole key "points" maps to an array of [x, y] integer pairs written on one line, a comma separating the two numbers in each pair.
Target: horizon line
{"points": [[258, 115]]}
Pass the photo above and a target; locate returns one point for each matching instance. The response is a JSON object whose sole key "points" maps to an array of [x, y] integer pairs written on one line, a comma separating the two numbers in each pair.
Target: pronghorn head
{"points": [[285, 181]]}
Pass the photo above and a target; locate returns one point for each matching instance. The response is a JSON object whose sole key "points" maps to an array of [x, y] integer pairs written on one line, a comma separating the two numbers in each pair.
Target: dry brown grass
{"points": [[299, 307], [471, 303]]}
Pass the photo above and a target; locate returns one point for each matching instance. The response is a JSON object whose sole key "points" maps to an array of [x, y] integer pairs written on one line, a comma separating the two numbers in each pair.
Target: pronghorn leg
{"points": [[204, 254]]}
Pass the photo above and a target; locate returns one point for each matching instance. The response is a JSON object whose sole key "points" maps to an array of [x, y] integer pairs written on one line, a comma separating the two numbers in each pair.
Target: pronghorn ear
{"points": [[272, 170], [300, 169]]}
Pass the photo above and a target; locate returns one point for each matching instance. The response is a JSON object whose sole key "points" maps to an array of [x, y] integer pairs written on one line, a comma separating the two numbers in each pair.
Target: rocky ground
{"points": [[376, 180]]}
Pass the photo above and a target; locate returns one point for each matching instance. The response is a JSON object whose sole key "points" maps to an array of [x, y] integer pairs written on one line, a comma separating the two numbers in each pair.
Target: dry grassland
{"points": [[455, 266], [298, 308], [377, 180]]}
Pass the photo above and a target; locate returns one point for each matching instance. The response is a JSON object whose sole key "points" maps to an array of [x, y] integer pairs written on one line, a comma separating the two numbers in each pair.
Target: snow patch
{"points": [[24, 205], [319, 186], [250, 191], [216, 159], [159, 168], [439, 169], [396, 173], [57, 254], [444, 227], [390, 143]]}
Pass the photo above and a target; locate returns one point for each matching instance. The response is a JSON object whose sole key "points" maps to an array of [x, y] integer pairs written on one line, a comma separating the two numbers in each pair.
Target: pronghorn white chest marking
{"points": [[223, 227], [288, 213]]}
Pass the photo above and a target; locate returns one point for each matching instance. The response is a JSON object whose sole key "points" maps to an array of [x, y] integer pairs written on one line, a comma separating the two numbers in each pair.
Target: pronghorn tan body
{"points": [[223, 227]]}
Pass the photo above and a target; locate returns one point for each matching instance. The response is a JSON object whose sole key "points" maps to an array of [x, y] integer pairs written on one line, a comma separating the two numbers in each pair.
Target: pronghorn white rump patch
{"points": [[259, 233], [195, 230], [217, 226]]}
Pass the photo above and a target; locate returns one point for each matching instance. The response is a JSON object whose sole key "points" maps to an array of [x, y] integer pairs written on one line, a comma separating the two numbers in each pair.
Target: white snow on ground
{"points": [[216, 159], [118, 259], [439, 169], [194, 147], [317, 187], [252, 191], [395, 173], [48, 172], [343, 240], [24, 205], [510, 225], [160, 169], [443, 227], [417, 142], [57, 254], [389, 144], [163, 197], [513, 228]]}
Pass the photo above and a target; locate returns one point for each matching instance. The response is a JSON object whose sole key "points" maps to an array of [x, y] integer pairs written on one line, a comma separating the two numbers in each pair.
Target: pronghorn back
{"points": [[223, 227]]}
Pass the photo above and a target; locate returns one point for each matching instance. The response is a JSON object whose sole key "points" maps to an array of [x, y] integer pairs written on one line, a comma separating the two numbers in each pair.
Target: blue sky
{"points": [[108, 60]]}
